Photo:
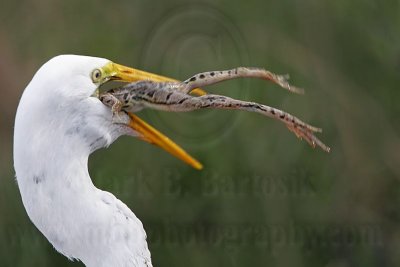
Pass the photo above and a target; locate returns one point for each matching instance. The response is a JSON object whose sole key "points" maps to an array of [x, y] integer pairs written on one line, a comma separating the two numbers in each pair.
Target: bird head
{"points": [[63, 98]]}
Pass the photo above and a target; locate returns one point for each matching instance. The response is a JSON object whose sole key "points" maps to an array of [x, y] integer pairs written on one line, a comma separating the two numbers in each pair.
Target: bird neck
{"points": [[51, 161]]}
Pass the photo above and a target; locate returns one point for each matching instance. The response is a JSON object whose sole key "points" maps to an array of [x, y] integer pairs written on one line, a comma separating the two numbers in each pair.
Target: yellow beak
{"points": [[152, 136], [148, 133], [122, 73], [127, 74]]}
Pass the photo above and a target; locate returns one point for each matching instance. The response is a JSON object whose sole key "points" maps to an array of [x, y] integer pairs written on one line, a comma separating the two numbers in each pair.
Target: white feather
{"points": [[57, 126]]}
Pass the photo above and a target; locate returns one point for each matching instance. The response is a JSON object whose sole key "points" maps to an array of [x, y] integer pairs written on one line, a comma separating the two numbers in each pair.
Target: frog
{"points": [[188, 95]]}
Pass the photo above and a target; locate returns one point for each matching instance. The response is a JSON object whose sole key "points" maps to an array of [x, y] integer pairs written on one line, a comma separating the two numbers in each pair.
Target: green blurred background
{"points": [[264, 198]]}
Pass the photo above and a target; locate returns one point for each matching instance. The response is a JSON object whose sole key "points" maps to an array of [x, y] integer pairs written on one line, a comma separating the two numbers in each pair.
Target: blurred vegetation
{"points": [[264, 198]]}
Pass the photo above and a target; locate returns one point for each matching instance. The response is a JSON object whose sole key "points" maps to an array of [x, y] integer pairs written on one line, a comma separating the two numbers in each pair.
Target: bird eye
{"points": [[96, 75]]}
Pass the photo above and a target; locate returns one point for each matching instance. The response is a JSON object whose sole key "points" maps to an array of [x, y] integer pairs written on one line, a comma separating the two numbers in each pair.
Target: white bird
{"points": [[59, 123]]}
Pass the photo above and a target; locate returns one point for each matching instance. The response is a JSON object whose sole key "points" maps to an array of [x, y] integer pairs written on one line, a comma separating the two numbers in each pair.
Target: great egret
{"points": [[59, 123]]}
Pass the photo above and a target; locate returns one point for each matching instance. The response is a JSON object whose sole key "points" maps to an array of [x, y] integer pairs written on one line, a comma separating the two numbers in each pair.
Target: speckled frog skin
{"points": [[179, 97]]}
